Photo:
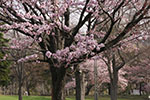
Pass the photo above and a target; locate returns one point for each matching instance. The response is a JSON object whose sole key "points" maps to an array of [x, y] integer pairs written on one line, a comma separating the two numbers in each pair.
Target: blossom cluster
{"points": [[84, 45], [34, 56], [44, 18], [147, 87], [70, 84], [102, 72], [20, 44]]}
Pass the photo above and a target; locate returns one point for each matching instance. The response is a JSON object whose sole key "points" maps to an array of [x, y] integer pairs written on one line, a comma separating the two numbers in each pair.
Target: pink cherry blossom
{"points": [[48, 54]]}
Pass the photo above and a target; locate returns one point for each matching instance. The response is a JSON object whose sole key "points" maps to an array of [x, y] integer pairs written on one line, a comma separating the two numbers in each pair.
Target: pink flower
{"points": [[48, 54], [72, 47], [40, 39], [97, 48], [53, 33], [4, 58], [101, 45], [66, 28]]}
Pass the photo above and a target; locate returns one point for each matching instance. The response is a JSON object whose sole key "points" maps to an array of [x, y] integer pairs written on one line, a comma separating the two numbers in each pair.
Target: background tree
{"points": [[114, 65], [137, 71], [20, 54], [102, 78]]}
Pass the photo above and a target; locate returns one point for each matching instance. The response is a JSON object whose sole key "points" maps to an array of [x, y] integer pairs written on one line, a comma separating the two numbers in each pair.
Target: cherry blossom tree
{"points": [[20, 55], [138, 71], [57, 26], [139, 75], [87, 68], [114, 65]]}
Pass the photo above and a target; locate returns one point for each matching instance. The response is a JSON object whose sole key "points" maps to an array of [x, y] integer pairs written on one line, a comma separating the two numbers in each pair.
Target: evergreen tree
{"points": [[4, 64]]}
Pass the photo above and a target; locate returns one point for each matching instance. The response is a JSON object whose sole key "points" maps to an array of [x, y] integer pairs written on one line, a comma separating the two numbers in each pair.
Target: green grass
{"points": [[119, 98], [24, 97], [71, 98], [124, 98]]}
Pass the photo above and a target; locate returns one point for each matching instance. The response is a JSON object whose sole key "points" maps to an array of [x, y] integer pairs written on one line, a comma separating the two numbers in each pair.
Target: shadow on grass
{"points": [[128, 97]]}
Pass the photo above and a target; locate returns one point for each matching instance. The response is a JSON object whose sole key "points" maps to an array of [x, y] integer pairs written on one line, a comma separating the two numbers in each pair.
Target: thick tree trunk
{"points": [[114, 85], [20, 91], [113, 92], [58, 82], [80, 85]]}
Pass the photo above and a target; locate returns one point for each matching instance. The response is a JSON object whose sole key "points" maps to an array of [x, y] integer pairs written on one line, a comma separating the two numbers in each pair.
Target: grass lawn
{"points": [[121, 98], [70, 98]]}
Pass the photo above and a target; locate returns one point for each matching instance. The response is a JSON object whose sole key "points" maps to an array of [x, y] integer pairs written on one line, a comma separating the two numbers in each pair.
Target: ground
{"points": [[71, 98]]}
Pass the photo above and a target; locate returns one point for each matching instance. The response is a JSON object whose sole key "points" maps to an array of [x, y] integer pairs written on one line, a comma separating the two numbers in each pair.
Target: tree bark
{"points": [[58, 83], [89, 87], [114, 85], [140, 88], [28, 91], [80, 85], [20, 91], [109, 89], [113, 92]]}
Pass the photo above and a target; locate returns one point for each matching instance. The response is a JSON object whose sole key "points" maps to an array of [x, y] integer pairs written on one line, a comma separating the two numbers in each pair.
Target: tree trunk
{"points": [[28, 91], [109, 89], [89, 87], [28, 86], [20, 91], [43, 89], [4, 90], [113, 92], [58, 83], [114, 85], [140, 90], [80, 85]]}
